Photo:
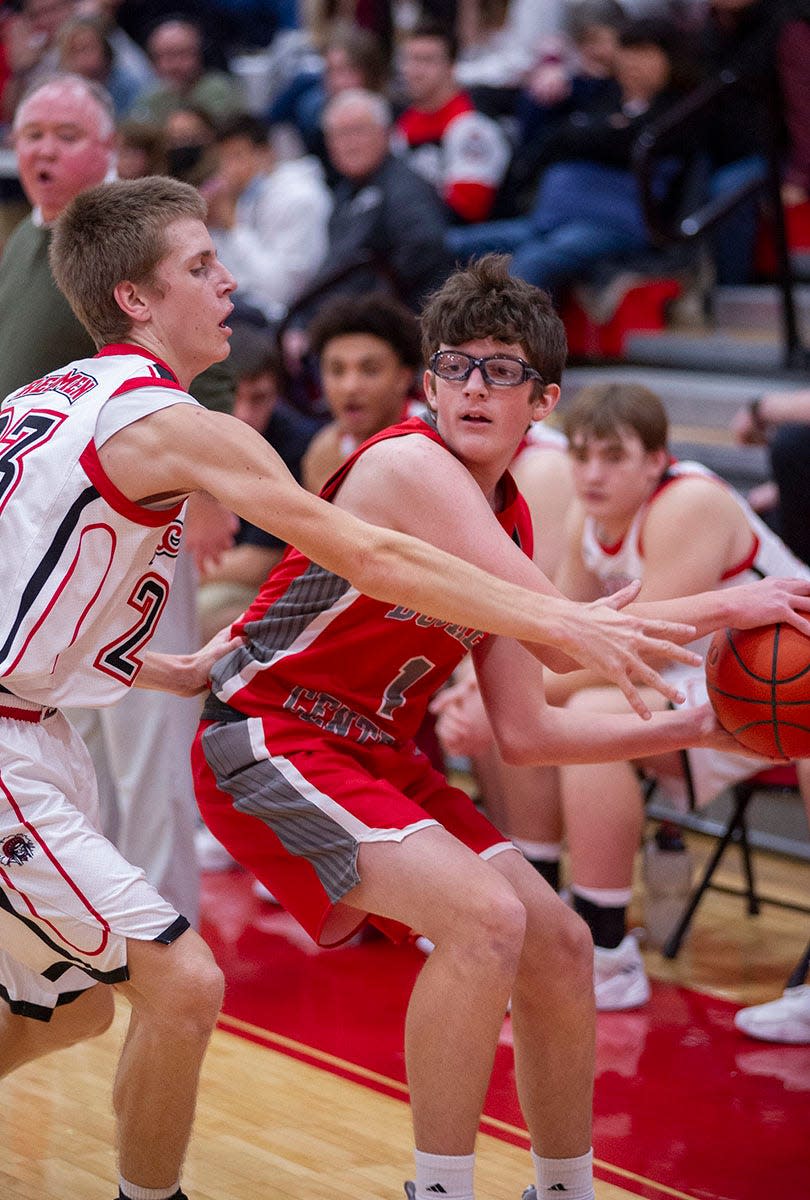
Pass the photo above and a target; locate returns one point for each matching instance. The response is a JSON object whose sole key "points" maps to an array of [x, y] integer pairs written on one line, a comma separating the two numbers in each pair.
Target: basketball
{"points": [[759, 688]]}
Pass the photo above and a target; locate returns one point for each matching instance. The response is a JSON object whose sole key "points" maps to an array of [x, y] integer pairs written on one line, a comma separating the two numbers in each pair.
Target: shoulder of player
{"points": [[681, 507], [407, 452]]}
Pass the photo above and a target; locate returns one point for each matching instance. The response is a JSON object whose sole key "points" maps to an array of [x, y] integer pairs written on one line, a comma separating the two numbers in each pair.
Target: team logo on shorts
{"points": [[16, 850]]}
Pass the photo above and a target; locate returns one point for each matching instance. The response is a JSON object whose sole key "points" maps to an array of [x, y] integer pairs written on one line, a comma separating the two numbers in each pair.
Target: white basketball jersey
{"points": [[87, 571], [617, 565]]}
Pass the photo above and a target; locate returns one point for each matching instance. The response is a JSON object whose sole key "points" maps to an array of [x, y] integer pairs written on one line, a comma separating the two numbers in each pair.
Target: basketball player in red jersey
{"points": [[679, 528], [96, 461], [306, 770]]}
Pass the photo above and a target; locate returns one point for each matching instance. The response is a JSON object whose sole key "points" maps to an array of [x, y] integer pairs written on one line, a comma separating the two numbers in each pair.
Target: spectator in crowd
{"points": [[64, 135], [766, 43], [463, 153], [782, 421], [368, 352], [387, 226], [353, 57], [141, 149], [574, 73], [30, 41], [190, 133], [587, 206], [268, 218], [175, 47], [127, 53], [500, 41], [679, 529], [85, 49], [374, 16], [229, 584]]}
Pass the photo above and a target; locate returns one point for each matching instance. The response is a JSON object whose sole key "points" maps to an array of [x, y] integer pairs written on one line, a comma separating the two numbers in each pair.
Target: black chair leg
{"points": [[735, 830], [798, 975]]}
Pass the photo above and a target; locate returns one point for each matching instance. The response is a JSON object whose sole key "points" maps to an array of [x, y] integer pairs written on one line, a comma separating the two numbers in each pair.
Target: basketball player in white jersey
{"points": [[680, 529], [96, 460]]}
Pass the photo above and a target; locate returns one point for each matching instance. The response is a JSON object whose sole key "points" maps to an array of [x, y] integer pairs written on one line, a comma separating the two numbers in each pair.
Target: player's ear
{"points": [[131, 300], [429, 388], [545, 401]]}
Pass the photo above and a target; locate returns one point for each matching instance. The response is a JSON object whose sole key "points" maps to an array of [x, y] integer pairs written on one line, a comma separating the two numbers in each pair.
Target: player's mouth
{"points": [[476, 418]]}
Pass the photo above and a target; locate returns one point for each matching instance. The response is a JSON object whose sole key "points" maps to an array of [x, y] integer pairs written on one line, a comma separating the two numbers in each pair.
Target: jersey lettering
{"points": [[71, 384], [409, 674], [120, 658], [18, 439]]}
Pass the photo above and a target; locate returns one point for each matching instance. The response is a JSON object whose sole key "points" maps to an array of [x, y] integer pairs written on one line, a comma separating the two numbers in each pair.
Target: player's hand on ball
{"points": [[769, 601], [714, 737]]}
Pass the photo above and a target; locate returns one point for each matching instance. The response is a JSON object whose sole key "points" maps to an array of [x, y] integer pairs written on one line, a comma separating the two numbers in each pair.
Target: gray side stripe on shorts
{"points": [[262, 790]]}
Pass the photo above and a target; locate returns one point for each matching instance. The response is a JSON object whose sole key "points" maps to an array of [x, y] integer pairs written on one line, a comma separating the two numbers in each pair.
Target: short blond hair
{"points": [[113, 232]]}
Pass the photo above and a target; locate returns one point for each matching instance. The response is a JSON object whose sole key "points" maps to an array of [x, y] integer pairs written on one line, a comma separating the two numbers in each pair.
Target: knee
{"points": [[192, 989], [199, 997], [560, 950], [496, 931]]}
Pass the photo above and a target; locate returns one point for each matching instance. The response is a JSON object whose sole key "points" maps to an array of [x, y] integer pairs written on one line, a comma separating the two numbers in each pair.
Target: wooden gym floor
{"points": [[303, 1092]]}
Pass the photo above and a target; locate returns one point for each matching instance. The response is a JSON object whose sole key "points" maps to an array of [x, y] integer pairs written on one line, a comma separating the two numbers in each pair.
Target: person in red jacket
{"points": [[462, 152]]}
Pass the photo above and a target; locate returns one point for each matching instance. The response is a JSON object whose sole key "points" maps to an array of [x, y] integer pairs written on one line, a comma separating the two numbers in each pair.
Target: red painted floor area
{"points": [[683, 1101]]}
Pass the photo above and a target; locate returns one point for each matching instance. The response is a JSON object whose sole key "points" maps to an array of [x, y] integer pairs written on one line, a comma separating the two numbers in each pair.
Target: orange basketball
{"points": [[759, 687]]}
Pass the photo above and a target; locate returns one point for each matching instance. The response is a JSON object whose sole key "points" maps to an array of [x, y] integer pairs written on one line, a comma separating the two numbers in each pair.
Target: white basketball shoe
{"points": [[784, 1020], [620, 980]]}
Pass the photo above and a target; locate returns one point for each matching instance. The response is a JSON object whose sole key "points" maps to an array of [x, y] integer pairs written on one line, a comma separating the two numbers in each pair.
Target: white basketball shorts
{"points": [[68, 900]]}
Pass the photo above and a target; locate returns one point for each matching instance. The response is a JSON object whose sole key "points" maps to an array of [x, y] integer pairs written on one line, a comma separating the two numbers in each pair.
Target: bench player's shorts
{"points": [[68, 900], [297, 820]]}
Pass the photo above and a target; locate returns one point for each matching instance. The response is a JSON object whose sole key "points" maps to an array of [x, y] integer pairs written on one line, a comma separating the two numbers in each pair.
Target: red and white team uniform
{"points": [[87, 577], [334, 686], [710, 771], [462, 152]]}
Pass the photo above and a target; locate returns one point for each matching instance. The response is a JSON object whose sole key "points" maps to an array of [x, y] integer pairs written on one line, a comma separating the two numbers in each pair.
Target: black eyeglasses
{"points": [[498, 370]]}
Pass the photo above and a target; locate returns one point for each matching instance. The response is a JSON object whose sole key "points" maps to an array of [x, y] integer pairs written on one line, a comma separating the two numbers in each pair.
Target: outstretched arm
{"points": [[179, 450], [529, 731]]}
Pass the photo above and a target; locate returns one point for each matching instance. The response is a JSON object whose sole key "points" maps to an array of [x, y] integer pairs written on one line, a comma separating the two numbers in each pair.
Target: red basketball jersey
{"points": [[321, 654]]}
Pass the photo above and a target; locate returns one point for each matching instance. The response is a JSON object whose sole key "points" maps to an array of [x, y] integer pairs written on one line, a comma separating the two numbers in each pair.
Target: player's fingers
{"points": [[798, 622], [669, 650], [633, 697], [650, 678], [674, 631], [623, 596]]}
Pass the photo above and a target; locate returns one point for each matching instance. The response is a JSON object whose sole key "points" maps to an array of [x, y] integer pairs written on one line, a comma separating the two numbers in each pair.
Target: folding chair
{"points": [[736, 830]]}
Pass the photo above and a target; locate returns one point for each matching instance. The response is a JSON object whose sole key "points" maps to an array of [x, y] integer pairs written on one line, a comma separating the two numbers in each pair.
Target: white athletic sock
{"points": [[604, 897], [564, 1178], [444, 1175], [539, 851], [133, 1192]]}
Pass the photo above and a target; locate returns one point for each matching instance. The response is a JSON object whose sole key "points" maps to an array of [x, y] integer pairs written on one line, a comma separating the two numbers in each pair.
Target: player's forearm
{"points": [[779, 408], [742, 607], [428, 580], [568, 737], [169, 673]]}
